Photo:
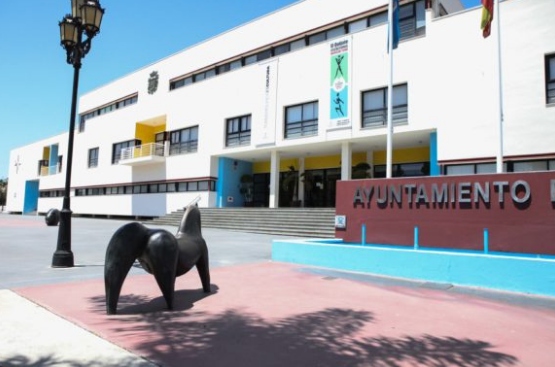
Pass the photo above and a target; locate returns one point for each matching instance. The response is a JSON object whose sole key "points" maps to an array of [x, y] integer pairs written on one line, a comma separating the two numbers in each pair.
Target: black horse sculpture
{"points": [[160, 253]]}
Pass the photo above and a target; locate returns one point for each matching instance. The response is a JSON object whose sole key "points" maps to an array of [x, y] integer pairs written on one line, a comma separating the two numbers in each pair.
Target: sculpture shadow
{"points": [[134, 304], [329, 337]]}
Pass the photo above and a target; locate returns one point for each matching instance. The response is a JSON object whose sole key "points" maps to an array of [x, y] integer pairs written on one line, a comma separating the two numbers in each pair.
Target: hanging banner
{"points": [[339, 84], [266, 132]]}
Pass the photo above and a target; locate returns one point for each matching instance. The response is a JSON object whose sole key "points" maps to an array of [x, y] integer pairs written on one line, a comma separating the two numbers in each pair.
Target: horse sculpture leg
{"points": [[160, 259], [203, 269], [126, 245]]}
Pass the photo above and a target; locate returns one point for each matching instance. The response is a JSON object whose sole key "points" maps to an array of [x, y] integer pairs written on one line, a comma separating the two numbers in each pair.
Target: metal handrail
{"points": [[145, 150]]}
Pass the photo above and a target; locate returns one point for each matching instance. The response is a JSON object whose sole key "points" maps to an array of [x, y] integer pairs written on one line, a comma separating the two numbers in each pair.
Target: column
{"points": [[274, 179], [300, 193], [346, 161]]}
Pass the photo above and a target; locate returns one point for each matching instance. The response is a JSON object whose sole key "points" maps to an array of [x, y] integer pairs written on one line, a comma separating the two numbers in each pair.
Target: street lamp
{"points": [[85, 18]]}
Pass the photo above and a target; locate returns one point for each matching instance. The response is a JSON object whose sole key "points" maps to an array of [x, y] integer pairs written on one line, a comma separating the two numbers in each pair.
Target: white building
{"points": [[301, 92]]}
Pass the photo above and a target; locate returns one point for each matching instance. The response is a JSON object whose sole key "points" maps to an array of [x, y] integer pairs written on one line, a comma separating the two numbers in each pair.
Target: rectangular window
{"points": [[235, 65], [374, 106], [316, 38], [118, 147], [358, 25], [530, 166], [281, 49], [93, 157], [184, 141], [378, 19], [249, 60], [266, 54], [335, 32], [297, 45], [238, 131], [223, 68], [550, 78], [210, 73], [412, 19], [301, 120]]}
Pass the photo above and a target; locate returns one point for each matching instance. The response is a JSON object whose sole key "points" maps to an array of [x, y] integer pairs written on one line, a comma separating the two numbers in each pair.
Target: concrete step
{"points": [[299, 222]]}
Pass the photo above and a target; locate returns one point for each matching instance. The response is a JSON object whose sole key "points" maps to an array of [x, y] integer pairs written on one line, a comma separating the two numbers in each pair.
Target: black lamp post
{"points": [[85, 18]]}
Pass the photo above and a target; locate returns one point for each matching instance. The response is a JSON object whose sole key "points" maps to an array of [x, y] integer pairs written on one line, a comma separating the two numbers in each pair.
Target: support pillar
{"points": [[300, 193], [346, 161], [274, 179]]}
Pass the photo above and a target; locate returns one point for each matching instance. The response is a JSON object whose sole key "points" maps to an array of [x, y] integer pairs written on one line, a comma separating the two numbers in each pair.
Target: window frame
{"points": [[240, 135], [400, 111], [116, 155], [179, 145], [92, 161], [306, 126], [550, 79]]}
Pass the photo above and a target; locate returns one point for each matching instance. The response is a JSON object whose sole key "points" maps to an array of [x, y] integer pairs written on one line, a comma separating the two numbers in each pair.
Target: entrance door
{"points": [[320, 187], [31, 198], [261, 189]]}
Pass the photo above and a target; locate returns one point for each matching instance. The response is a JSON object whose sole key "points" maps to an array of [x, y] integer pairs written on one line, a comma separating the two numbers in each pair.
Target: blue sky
{"points": [[36, 81]]}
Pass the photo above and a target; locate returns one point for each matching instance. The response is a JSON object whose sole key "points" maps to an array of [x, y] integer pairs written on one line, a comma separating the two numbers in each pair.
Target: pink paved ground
{"points": [[272, 314]]}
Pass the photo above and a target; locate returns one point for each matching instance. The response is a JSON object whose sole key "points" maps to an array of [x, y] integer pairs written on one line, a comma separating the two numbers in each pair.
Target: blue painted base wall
{"points": [[507, 273]]}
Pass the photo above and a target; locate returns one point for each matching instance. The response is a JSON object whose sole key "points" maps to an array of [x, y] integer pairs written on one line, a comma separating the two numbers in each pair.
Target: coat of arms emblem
{"points": [[153, 82]]}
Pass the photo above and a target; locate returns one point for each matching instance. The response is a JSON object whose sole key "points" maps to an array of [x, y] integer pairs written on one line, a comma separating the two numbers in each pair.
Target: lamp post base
{"points": [[62, 259]]}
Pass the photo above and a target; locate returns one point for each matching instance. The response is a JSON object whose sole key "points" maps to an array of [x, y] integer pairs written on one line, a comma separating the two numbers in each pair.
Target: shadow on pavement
{"points": [[323, 338]]}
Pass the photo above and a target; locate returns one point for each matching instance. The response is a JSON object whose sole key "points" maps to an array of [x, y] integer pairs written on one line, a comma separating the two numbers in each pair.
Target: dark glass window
{"points": [[184, 141], [550, 78], [118, 147], [93, 157], [301, 120], [374, 106], [238, 131]]}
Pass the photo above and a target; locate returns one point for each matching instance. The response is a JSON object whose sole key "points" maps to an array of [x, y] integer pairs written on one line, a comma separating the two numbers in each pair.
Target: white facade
{"points": [[449, 69]]}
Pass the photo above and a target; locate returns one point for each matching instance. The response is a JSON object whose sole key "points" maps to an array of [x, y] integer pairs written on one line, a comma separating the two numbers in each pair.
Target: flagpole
{"points": [[500, 95], [389, 152]]}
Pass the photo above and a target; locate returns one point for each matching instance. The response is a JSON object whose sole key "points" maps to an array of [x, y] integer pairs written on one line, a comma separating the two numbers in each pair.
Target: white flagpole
{"points": [[500, 95], [389, 154]]}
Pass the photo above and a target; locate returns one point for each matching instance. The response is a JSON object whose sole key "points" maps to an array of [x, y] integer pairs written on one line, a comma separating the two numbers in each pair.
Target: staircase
{"points": [[298, 222]]}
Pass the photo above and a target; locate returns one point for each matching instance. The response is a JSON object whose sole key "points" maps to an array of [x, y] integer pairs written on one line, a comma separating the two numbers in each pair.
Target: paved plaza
{"points": [[259, 313]]}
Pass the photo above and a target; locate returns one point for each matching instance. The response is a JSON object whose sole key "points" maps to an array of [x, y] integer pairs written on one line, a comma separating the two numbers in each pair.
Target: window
{"points": [[316, 38], [412, 19], [297, 45], [184, 141], [238, 131], [358, 25], [530, 166], [403, 170], [181, 82], [281, 49], [301, 120], [550, 78], [118, 147], [376, 19], [335, 32], [93, 157], [374, 106]]}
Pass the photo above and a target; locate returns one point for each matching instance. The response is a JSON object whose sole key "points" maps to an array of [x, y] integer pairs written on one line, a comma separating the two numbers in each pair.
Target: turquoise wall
{"points": [[229, 179], [434, 166], [506, 272], [31, 198]]}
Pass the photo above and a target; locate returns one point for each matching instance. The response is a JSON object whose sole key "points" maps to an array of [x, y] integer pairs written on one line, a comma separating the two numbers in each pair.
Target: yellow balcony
{"points": [[143, 154]]}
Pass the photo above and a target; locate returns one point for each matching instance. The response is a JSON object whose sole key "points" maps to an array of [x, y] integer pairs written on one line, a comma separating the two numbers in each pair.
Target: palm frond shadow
{"points": [[330, 337]]}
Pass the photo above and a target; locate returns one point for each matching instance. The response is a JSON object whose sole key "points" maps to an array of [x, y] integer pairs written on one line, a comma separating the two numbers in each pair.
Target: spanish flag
{"points": [[487, 17]]}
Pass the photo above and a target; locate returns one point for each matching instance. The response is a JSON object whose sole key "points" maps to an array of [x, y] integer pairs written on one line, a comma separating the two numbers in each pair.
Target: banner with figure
{"points": [[339, 84]]}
